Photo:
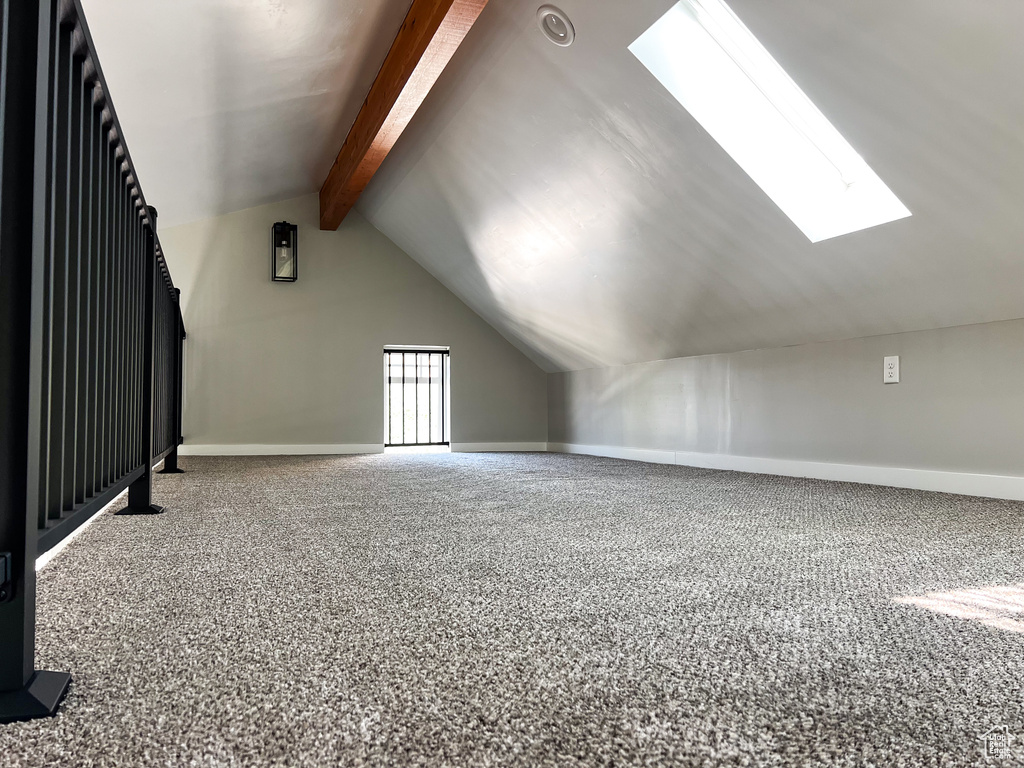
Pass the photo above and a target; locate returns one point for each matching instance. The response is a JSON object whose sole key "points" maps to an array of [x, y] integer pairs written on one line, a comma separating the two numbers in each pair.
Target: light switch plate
{"points": [[891, 370]]}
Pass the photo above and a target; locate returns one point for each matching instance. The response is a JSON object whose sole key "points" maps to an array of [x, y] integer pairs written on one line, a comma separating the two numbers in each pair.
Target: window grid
{"points": [[417, 390]]}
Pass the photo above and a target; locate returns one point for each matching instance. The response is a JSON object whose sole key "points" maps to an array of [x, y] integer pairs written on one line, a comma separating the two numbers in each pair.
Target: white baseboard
{"points": [[967, 483], [497, 447], [277, 450], [44, 559], [321, 449], [616, 452]]}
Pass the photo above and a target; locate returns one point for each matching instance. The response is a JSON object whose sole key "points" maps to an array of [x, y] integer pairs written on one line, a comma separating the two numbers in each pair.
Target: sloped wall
{"points": [[807, 409], [300, 364]]}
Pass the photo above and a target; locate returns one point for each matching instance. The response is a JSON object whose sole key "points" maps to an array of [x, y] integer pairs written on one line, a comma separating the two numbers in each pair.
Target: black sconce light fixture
{"points": [[285, 253]]}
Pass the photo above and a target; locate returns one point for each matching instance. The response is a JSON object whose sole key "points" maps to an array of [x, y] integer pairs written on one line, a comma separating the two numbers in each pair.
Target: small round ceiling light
{"points": [[555, 25]]}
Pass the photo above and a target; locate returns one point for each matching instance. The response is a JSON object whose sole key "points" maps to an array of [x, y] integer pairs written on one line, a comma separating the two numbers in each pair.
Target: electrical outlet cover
{"points": [[891, 370]]}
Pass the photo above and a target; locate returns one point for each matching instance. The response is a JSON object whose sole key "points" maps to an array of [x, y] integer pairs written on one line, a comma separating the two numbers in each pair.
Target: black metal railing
{"points": [[90, 327]]}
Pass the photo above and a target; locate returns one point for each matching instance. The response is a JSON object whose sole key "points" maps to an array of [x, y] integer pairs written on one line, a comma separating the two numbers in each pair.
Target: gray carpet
{"points": [[531, 610]]}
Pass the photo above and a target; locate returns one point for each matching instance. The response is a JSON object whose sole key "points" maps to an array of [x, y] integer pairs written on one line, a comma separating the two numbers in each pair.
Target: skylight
{"points": [[712, 64]]}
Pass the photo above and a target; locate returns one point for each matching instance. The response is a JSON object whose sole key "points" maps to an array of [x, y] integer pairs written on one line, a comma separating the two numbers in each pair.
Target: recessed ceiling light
{"points": [[555, 25]]}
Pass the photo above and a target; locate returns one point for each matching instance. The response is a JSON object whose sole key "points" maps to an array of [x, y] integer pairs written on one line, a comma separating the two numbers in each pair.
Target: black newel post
{"points": [[24, 692], [171, 460], [140, 493]]}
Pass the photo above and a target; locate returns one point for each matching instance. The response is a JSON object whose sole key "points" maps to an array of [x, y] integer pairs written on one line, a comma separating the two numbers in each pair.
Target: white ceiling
{"points": [[228, 104], [572, 202], [567, 198]]}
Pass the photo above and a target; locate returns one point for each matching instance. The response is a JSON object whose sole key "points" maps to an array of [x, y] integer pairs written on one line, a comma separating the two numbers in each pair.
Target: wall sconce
{"points": [[285, 253]]}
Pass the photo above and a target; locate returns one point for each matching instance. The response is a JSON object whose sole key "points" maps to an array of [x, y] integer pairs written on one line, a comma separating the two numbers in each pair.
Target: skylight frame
{"points": [[705, 56]]}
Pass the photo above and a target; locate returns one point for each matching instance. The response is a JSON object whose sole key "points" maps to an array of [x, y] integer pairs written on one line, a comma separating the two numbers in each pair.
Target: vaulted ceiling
{"points": [[570, 200], [228, 104]]}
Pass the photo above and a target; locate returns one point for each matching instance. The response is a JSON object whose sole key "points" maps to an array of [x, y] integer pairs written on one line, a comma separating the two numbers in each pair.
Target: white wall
{"points": [[300, 364], [955, 421]]}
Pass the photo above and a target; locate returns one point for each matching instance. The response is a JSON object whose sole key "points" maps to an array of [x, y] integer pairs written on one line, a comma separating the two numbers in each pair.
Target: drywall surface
{"points": [[301, 363], [234, 104], [566, 196], [959, 406]]}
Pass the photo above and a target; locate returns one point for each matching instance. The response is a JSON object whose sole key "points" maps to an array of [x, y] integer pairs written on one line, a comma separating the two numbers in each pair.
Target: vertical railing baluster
{"points": [[103, 364], [136, 321], [158, 333], [131, 460], [85, 296], [111, 327], [115, 283], [140, 324], [59, 280], [158, 358], [160, 415], [74, 259], [48, 192], [95, 281], [131, 300], [101, 297], [119, 318], [112, 314], [126, 322], [118, 359], [159, 317]]}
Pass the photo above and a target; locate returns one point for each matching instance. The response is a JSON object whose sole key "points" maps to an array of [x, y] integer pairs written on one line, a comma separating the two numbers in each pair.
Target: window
{"points": [[712, 64], [416, 396]]}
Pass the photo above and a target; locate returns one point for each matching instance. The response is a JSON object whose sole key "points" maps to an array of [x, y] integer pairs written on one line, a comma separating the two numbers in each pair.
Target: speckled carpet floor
{"points": [[532, 610]]}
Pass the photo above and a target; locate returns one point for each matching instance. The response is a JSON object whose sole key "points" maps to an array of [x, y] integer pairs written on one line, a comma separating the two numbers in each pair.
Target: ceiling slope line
{"points": [[428, 38]]}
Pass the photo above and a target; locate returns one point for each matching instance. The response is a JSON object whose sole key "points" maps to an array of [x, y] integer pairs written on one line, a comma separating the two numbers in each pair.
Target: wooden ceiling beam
{"points": [[429, 36]]}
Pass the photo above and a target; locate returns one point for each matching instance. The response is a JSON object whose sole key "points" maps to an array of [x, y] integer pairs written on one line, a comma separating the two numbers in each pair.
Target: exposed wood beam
{"points": [[430, 35]]}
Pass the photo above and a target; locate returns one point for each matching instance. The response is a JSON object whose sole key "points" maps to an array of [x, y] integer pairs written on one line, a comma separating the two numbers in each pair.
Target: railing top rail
{"points": [[71, 13]]}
